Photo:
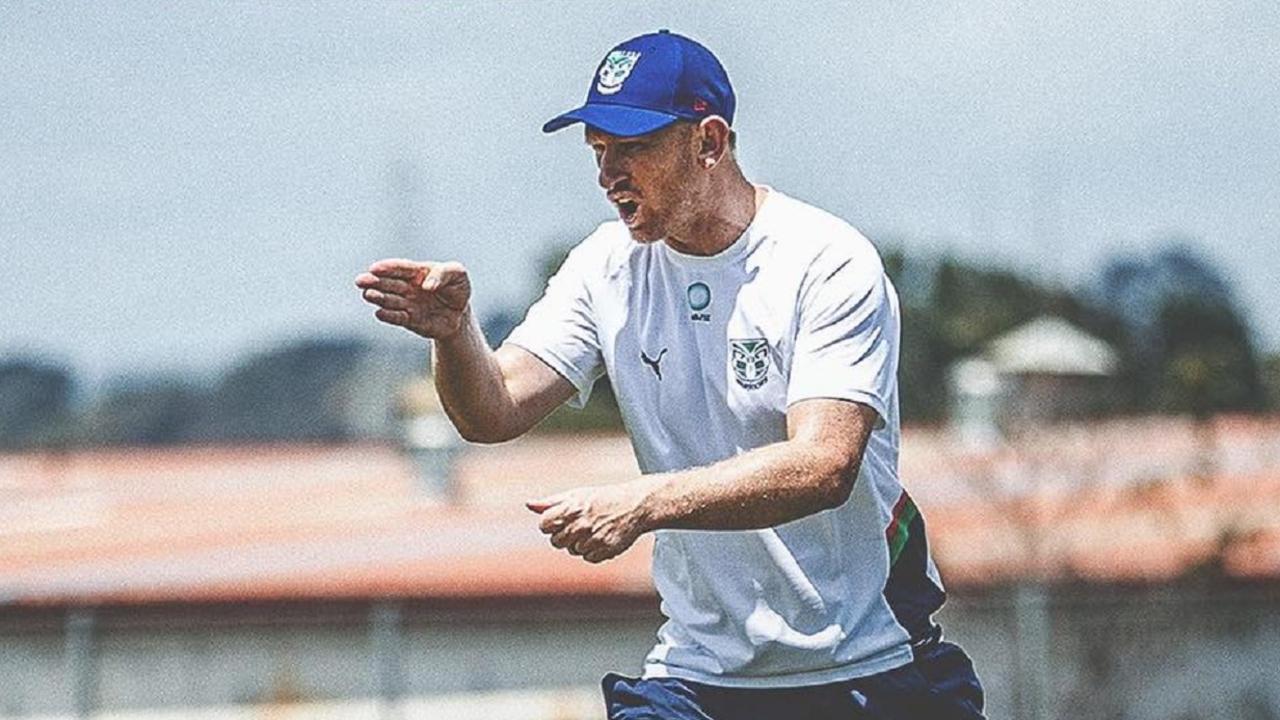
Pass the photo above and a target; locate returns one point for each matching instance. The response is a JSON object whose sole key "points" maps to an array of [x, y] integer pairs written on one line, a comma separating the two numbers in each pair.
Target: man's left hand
{"points": [[595, 523]]}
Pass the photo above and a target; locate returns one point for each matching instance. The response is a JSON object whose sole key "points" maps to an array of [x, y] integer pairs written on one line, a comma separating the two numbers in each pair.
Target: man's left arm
{"points": [[812, 470]]}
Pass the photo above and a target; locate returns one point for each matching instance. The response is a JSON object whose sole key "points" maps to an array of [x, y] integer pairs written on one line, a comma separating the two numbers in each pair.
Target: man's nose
{"points": [[611, 170]]}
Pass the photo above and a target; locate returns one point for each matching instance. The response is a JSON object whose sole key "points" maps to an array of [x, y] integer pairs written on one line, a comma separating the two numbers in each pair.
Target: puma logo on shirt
{"points": [[653, 363]]}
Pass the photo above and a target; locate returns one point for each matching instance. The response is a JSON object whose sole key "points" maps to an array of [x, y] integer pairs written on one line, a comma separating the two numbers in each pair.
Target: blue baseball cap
{"points": [[649, 82]]}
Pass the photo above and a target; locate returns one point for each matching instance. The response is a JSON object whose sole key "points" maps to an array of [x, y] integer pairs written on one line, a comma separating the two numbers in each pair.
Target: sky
{"points": [[182, 185]]}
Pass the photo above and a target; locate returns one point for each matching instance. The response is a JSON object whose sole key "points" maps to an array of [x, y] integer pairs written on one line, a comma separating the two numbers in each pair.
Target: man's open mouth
{"points": [[627, 210]]}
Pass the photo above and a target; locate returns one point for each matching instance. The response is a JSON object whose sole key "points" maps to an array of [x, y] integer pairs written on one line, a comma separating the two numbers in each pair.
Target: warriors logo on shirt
{"points": [[750, 362], [617, 66]]}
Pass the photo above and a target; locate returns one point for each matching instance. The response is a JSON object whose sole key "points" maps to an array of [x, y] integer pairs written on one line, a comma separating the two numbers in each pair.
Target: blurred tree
{"points": [[1271, 380], [600, 414], [35, 404], [291, 393], [328, 389], [922, 366], [976, 304], [953, 308], [1208, 363], [1137, 289], [1191, 349], [922, 359], [146, 411]]}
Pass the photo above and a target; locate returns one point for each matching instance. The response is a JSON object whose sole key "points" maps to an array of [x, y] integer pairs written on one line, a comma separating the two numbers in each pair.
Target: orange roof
{"points": [[1126, 500], [275, 522]]}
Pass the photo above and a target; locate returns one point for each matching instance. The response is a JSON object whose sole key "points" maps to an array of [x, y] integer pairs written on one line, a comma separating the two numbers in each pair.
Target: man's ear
{"points": [[713, 140]]}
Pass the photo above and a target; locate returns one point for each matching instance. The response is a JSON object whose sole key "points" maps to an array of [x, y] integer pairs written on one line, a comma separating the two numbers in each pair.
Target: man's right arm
{"points": [[489, 396], [494, 396]]}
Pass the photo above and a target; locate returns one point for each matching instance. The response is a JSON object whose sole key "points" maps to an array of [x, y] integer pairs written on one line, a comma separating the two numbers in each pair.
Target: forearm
{"points": [[761, 488], [471, 385]]}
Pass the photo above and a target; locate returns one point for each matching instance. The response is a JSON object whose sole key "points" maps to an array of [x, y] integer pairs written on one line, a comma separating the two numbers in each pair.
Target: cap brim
{"points": [[617, 120]]}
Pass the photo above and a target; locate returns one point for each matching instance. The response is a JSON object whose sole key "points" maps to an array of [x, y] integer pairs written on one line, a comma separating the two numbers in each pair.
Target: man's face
{"points": [[648, 178]]}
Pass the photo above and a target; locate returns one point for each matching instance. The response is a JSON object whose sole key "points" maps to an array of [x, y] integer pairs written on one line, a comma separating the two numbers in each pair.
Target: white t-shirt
{"points": [[705, 354]]}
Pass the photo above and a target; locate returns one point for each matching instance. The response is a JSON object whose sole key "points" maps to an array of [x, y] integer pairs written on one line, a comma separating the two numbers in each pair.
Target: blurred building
{"points": [[1095, 571], [1045, 371]]}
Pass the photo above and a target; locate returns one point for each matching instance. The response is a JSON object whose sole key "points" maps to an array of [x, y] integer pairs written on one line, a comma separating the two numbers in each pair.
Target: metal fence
{"points": [[1196, 650]]}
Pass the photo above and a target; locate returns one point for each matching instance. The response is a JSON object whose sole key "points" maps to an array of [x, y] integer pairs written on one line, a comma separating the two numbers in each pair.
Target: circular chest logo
{"points": [[699, 296]]}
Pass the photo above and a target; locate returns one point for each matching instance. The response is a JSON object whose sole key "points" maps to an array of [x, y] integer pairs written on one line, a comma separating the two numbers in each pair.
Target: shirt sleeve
{"points": [[560, 328], [846, 344]]}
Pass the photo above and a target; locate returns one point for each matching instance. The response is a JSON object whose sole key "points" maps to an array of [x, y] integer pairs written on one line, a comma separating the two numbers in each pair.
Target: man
{"points": [[752, 342]]}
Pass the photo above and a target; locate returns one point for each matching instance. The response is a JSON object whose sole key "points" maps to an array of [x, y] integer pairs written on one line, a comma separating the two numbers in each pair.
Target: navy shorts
{"points": [[939, 685]]}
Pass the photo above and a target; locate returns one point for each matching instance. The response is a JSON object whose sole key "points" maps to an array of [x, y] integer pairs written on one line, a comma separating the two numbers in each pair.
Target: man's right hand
{"points": [[430, 298]]}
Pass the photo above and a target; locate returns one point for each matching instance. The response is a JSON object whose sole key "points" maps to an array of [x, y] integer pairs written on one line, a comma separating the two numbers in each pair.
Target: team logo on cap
{"points": [[750, 362], [617, 66]]}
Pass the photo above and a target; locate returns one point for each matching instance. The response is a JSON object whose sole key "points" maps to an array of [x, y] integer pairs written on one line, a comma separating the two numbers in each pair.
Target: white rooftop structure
{"points": [[1051, 346]]}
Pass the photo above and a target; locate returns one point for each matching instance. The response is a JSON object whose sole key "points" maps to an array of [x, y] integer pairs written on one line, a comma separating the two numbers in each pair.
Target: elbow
{"points": [[481, 431], [484, 434], [838, 478], [838, 492], [477, 436]]}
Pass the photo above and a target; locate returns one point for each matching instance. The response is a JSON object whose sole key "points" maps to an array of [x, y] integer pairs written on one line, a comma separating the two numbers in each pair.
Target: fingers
{"points": [[441, 274], [563, 523], [595, 549], [600, 555], [554, 521], [567, 537], [568, 521], [579, 540], [542, 505], [392, 317], [418, 287], [448, 283], [399, 268], [385, 300], [369, 281], [427, 275], [577, 537]]}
